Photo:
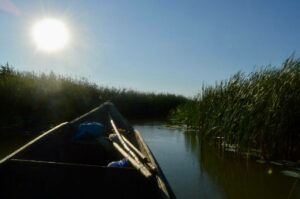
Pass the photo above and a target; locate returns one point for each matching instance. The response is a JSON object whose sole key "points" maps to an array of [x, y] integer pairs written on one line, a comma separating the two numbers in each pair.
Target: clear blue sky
{"points": [[156, 45]]}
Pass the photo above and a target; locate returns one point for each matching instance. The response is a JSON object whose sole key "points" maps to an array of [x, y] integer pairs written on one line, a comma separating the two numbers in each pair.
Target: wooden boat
{"points": [[54, 165]]}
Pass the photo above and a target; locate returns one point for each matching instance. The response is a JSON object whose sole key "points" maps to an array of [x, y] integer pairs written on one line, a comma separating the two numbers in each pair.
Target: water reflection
{"points": [[240, 178], [195, 170], [179, 162]]}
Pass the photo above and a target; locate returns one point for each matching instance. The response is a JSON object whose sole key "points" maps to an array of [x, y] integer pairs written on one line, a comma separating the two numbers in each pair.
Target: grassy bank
{"points": [[30, 101], [256, 111]]}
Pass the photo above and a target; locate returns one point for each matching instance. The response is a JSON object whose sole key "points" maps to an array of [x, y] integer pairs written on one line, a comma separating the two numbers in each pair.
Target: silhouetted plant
{"points": [[260, 110], [30, 100]]}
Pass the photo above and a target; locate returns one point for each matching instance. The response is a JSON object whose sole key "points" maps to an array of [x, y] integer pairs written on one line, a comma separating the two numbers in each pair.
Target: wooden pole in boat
{"points": [[139, 166], [140, 154], [122, 140], [134, 148], [144, 159]]}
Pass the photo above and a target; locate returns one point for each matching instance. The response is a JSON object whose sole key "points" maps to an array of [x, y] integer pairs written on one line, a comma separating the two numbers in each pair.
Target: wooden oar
{"points": [[139, 166], [144, 159], [141, 155], [134, 148], [122, 140]]}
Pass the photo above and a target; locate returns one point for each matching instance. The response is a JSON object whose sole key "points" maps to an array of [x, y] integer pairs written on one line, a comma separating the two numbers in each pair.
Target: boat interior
{"points": [[55, 165]]}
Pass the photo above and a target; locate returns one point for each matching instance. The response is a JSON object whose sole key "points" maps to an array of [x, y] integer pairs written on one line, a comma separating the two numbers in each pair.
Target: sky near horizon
{"points": [[158, 45]]}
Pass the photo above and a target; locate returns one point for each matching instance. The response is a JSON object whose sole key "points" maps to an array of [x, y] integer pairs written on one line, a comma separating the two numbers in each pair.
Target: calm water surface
{"points": [[200, 172]]}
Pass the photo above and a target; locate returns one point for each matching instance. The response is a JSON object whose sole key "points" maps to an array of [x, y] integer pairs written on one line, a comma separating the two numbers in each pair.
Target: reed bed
{"points": [[260, 110], [33, 101]]}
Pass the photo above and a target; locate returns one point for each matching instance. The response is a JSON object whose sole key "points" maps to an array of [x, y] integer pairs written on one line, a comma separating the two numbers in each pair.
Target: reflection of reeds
{"points": [[261, 111], [30, 100], [246, 179]]}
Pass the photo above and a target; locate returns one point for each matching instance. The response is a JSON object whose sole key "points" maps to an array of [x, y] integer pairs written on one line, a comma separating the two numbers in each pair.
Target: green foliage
{"points": [[260, 110], [31, 101], [186, 113]]}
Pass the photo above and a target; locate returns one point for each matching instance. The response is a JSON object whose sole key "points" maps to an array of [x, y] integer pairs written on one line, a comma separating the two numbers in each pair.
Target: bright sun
{"points": [[50, 34]]}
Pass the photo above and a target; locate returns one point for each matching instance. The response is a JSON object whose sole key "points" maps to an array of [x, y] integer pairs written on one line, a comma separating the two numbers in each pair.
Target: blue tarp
{"points": [[89, 130], [119, 164]]}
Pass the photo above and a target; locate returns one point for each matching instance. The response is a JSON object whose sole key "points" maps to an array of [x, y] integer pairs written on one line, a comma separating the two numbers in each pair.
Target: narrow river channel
{"points": [[196, 171], [201, 172]]}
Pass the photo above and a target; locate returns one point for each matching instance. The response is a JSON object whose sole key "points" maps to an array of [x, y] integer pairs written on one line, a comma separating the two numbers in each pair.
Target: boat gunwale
{"points": [[162, 183], [33, 141]]}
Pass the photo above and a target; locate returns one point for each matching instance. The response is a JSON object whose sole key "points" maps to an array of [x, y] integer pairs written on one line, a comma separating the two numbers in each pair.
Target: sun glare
{"points": [[50, 34]]}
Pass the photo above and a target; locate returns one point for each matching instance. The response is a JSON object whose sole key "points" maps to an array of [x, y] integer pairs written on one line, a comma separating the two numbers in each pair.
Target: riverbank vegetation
{"points": [[33, 101], [258, 111]]}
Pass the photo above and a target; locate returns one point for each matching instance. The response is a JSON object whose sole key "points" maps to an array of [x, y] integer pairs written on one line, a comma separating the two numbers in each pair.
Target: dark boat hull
{"points": [[55, 166]]}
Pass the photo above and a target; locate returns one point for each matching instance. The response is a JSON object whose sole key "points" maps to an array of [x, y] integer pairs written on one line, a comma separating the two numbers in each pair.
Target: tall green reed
{"points": [[260, 110]]}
